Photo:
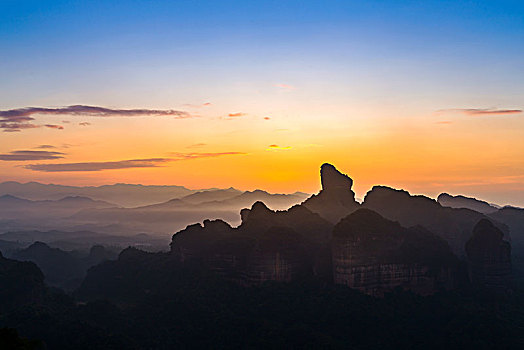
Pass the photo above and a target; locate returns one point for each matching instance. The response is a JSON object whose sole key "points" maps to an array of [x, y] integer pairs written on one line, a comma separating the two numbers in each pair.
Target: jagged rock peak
{"points": [[331, 178], [217, 224], [257, 209]]}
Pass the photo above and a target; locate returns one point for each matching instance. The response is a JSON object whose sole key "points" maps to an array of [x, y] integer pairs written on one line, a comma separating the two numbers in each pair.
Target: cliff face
{"points": [[267, 246], [336, 199], [489, 256], [376, 255]]}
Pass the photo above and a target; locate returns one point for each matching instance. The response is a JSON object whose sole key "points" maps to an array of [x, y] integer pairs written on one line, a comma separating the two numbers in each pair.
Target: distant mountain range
{"points": [[125, 195], [19, 208], [76, 212]]}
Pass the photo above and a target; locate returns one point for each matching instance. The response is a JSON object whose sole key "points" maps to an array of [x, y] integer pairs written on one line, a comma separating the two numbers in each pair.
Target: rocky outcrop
{"points": [[268, 245], [489, 256], [447, 200], [336, 199], [195, 241], [60, 268], [20, 283], [376, 255], [452, 224]]}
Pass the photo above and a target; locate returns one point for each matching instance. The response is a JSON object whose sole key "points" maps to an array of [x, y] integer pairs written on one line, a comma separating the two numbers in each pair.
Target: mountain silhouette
{"points": [[447, 200], [21, 283], [453, 225]]}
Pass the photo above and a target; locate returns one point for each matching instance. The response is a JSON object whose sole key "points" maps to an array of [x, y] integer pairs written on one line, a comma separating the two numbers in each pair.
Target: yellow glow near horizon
{"points": [[470, 155]]}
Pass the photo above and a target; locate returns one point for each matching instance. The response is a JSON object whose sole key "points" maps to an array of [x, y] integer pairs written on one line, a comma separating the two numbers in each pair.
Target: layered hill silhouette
{"points": [[177, 213], [19, 208], [316, 274], [76, 213], [61, 268], [392, 240], [126, 195], [22, 283]]}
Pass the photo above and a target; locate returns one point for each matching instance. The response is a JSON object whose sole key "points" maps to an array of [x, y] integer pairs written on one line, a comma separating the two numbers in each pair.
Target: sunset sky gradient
{"points": [[421, 95]]}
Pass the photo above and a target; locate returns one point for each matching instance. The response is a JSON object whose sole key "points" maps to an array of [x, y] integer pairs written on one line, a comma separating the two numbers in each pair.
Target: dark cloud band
{"points": [[30, 155], [21, 118], [483, 111], [124, 164], [98, 166]]}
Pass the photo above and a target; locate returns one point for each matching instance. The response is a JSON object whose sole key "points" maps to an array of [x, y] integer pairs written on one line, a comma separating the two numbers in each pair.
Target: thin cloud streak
{"points": [[98, 166], [197, 155], [482, 111], [54, 126], [125, 164], [21, 118], [24, 114], [277, 147], [239, 114], [30, 155], [197, 145]]}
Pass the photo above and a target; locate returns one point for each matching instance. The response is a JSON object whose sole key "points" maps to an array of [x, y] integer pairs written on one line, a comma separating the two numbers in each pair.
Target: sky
{"points": [[421, 95]]}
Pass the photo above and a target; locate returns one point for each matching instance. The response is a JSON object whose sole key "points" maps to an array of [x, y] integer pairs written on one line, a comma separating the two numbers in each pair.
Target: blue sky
{"points": [[59, 46], [414, 94]]}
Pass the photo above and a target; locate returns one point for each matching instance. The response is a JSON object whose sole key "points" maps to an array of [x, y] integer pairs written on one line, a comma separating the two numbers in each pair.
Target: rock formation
{"points": [[376, 255], [367, 249], [336, 199], [21, 283], [61, 269], [489, 256], [454, 225], [447, 200]]}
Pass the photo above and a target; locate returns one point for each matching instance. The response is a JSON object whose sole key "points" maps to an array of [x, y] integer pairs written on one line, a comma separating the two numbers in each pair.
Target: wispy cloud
{"points": [[16, 126], [84, 123], [195, 155], [30, 155], [206, 104], [444, 122], [238, 114], [285, 86], [482, 111], [197, 145], [21, 118], [277, 147], [54, 126], [125, 164], [267, 118], [45, 146], [98, 166]]}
